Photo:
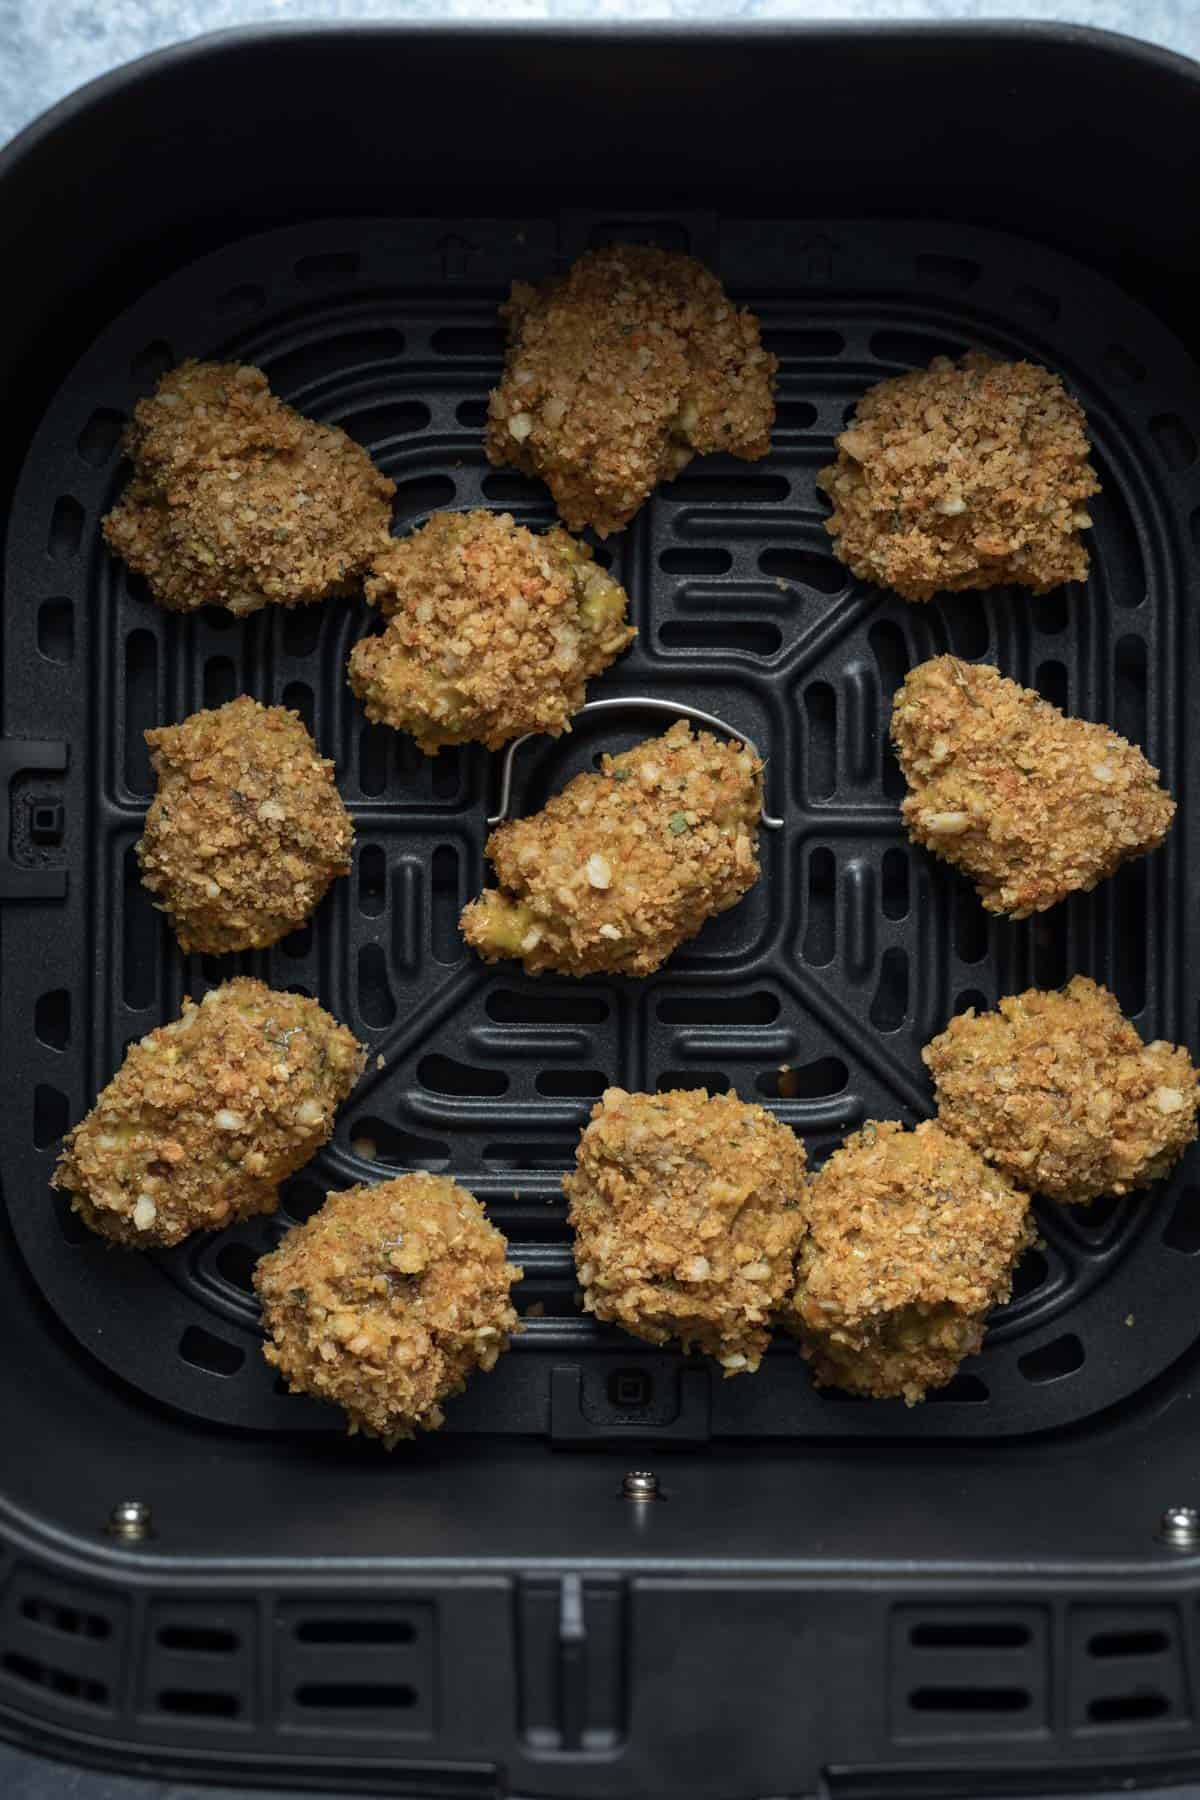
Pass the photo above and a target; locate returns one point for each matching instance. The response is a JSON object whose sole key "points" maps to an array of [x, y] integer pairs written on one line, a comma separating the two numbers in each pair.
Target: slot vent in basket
{"points": [[56, 630], [50, 1115]]}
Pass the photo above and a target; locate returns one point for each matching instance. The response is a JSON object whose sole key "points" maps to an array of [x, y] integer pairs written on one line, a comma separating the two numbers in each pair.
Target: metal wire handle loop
{"points": [[646, 703]]}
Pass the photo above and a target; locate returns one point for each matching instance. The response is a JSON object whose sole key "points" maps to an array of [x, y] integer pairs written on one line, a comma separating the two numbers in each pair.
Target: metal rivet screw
{"points": [[130, 1519], [1180, 1526], [640, 1484]]}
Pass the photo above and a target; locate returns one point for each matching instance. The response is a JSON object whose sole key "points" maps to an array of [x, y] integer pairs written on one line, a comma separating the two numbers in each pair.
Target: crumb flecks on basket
{"points": [[687, 1212], [911, 1240], [618, 373], [965, 475], [207, 1115], [622, 866], [239, 501], [387, 1300], [492, 631], [1032, 804], [246, 831], [1059, 1092]]}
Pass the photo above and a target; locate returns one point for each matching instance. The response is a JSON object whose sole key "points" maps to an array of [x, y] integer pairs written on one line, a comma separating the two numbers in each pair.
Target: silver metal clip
{"points": [[644, 703]]}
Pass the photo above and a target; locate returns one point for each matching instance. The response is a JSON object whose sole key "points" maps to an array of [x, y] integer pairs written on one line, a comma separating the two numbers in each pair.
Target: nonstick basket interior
{"points": [[814, 995]]}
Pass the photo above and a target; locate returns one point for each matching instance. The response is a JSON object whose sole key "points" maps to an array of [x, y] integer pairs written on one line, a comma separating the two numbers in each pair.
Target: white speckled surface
{"points": [[49, 47]]}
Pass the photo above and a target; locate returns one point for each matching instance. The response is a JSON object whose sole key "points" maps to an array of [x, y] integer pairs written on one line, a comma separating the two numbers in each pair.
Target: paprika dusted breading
{"points": [[207, 1115], [247, 829], [239, 501], [963, 475], [387, 1300], [1057, 1090], [1032, 804], [491, 631], [622, 866], [618, 373], [912, 1239], [687, 1211]]}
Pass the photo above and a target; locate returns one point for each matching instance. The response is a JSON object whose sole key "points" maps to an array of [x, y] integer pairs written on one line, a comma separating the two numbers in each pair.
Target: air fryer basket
{"points": [[484, 1612]]}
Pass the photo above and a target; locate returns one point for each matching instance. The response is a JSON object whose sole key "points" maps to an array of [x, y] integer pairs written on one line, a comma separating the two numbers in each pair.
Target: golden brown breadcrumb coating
{"points": [[618, 373], [620, 868], [247, 829], [207, 1115], [1033, 805], [386, 1300], [963, 475], [492, 631], [687, 1216], [912, 1239], [237, 500], [1058, 1091]]}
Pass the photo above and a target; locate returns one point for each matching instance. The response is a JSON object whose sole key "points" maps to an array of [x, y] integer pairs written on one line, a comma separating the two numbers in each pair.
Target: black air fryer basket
{"points": [[828, 1595]]}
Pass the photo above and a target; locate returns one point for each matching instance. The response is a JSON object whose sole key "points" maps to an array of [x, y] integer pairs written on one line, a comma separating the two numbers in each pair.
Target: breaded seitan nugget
{"points": [[687, 1213], [386, 1300], [618, 373], [620, 868], [912, 1239], [1058, 1091], [1033, 805], [247, 829], [963, 475], [237, 500], [207, 1115], [492, 631]]}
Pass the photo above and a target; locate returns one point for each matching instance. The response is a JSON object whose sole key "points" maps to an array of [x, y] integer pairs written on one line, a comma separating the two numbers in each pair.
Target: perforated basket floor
{"points": [[848, 955]]}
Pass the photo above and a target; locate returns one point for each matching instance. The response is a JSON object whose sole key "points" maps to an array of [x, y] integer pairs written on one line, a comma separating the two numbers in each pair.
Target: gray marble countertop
{"points": [[53, 46]]}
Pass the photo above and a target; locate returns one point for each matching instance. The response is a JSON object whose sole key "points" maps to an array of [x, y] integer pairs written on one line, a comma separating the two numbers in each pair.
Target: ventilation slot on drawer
{"points": [[360, 1671], [199, 1703], [64, 1641], [69, 1621], [65, 1683], [968, 1672], [201, 1661], [1127, 1670], [356, 1631]]}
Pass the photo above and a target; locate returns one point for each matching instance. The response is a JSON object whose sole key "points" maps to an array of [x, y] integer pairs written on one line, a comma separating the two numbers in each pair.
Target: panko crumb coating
{"points": [[964, 475], [239, 501], [207, 1115], [1057, 1090], [911, 1240], [1032, 804], [247, 829], [687, 1211], [622, 866], [618, 373], [492, 631], [386, 1300]]}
